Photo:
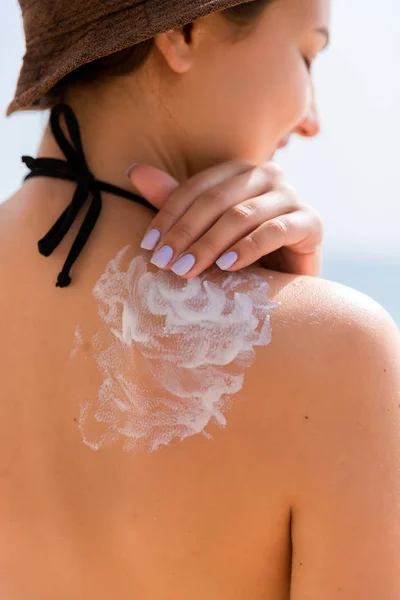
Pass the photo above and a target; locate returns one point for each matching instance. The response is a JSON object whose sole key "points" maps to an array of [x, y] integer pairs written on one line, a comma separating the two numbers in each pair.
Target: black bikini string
{"points": [[75, 168]]}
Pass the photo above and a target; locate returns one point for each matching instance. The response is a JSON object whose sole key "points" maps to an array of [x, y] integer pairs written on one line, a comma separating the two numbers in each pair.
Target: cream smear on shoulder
{"points": [[177, 350], [78, 341]]}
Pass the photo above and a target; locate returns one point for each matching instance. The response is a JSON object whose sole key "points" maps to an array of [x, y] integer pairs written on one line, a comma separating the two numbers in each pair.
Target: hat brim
{"points": [[47, 62]]}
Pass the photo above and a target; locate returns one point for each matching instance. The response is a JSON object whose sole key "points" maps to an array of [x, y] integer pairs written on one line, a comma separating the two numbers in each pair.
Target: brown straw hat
{"points": [[62, 35]]}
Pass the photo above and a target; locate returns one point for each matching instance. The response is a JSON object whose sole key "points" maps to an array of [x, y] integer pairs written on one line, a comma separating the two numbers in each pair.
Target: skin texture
{"points": [[297, 498]]}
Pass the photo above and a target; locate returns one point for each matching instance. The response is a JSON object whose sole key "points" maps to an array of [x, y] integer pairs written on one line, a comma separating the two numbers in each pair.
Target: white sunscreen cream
{"points": [[177, 350], [78, 341]]}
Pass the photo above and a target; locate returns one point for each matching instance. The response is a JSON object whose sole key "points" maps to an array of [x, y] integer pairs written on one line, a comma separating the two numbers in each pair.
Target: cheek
{"points": [[289, 93], [263, 103], [251, 99]]}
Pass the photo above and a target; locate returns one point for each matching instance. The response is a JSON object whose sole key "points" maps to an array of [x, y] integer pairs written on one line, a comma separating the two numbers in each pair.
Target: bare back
{"points": [[90, 505], [199, 518]]}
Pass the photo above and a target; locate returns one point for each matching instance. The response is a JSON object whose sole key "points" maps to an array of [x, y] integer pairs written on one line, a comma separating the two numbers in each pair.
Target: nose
{"points": [[310, 126]]}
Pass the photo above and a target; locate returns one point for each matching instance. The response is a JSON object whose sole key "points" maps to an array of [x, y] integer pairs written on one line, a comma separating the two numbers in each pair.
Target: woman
{"points": [[214, 434]]}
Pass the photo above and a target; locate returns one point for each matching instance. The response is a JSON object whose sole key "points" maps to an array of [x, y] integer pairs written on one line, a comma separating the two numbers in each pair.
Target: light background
{"points": [[350, 173]]}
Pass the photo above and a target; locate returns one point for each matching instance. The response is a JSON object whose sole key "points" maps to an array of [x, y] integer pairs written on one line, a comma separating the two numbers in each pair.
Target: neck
{"points": [[121, 125], [112, 142]]}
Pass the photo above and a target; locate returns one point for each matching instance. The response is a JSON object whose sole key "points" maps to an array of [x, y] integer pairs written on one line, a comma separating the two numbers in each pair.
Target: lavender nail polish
{"points": [[162, 257], [227, 260], [183, 265], [150, 239]]}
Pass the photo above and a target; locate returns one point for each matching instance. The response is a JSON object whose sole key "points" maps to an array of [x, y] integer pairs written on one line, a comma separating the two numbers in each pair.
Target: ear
{"points": [[176, 49]]}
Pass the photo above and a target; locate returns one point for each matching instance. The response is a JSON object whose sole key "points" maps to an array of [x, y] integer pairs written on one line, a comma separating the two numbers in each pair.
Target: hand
{"points": [[236, 210]]}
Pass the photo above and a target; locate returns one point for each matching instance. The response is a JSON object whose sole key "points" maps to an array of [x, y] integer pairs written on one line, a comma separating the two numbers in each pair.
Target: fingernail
{"points": [[184, 264], [227, 260], [162, 257], [129, 171], [150, 239]]}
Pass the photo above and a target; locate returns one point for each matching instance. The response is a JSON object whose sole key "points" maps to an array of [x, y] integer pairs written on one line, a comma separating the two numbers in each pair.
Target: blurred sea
{"points": [[378, 278]]}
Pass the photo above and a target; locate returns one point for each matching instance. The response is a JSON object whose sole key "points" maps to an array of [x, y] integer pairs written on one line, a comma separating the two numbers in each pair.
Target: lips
{"points": [[283, 142]]}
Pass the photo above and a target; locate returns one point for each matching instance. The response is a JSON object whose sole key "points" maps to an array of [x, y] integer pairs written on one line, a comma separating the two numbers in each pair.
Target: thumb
{"points": [[153, 184]]}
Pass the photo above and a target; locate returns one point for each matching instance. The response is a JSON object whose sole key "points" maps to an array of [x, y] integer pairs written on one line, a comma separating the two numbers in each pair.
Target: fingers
{"points": [[153, 184], [234, 214], [276, 173], [182, 198], [236, 223], [227, 201], [299, 233], [237, 203]]}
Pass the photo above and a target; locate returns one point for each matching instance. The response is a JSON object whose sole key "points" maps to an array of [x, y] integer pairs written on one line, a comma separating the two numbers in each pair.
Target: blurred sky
{"points": [[349, 173]]}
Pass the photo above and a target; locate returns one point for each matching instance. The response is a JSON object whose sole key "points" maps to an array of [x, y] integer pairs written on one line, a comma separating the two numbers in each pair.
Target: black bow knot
{"points": [[75, 168]]}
